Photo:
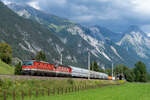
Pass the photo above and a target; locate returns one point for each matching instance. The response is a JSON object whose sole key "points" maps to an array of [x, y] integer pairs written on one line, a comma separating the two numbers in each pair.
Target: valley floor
{"points": [[129, 91]]}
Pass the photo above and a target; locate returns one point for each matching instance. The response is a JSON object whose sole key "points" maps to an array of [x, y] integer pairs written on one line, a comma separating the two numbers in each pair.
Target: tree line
{"points": [[136, 74]]}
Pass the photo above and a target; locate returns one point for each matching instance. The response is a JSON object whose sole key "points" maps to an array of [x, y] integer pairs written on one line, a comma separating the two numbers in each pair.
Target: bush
{"points": [[41, 56], [70, 81], [18, 69], [5, 53]]}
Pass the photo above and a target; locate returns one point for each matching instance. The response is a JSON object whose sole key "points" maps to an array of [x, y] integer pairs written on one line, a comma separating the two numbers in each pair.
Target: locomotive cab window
{"points": [[28, 63]]}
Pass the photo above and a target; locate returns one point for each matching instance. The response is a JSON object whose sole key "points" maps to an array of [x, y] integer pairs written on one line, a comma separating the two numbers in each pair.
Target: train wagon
{"points": [[84, 73], [40, 68]]}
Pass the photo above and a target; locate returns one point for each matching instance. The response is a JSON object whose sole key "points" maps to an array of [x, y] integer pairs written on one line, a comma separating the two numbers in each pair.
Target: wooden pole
{"points": [[48, 92], [37, 92], [5, 94], [14, 94], [42, 92], [58, 91], [53, 91], [30, 93], [62, 91], [22, 95]]}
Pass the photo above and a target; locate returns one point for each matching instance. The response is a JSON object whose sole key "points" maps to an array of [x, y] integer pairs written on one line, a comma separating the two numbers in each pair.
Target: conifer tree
{"points": [[41, 56], [18, 69]]}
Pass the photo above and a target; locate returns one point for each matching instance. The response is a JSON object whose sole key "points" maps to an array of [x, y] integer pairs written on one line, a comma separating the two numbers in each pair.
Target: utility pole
{"points": [[112, 70], [61, 62], [89, 65]]}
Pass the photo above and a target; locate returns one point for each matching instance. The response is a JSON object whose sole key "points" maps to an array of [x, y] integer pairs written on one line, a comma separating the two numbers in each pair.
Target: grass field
{"points": [[5, 68], [19, 85], [129, 91]]}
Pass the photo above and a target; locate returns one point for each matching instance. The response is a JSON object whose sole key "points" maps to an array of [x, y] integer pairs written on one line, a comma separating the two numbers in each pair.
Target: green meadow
{"points": [[5, 68], [128, 91], [25, 85]]}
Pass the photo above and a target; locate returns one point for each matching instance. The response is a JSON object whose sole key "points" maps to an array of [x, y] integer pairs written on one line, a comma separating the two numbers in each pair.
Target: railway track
{"points": [[37, 77]]}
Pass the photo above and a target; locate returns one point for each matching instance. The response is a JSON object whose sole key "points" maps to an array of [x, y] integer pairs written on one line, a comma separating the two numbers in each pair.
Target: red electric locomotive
{"points": [[41, 68]]}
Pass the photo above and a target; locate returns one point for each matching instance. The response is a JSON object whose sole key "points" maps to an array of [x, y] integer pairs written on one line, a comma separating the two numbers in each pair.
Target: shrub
{"points": [[18, 69], [5, 53]]}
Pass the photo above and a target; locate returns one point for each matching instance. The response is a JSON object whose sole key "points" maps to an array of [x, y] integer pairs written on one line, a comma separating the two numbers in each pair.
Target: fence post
{"points": [[30, 93], [58, 91], [22, 95], [72, 88], [42, 92], [69, 89], [75, 89], [66, 90], [62, 91], [5, 94], [54, 91], [14, 94], [48, 91], [37, 92]]}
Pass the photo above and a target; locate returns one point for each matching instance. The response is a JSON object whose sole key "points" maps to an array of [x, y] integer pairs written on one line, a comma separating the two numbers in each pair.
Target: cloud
{"points": [[146, 28], [84, 18], [142, 7], [34, 4], [6, 2], [115, 14]]}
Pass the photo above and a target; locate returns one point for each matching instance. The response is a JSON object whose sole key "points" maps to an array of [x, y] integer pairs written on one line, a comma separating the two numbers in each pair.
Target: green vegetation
{"points": [[129, 91], [18, 69], [5, 53], [94, 66], [57, 28], [26, 37], [138, 73], [124, 71], [26, 84], [5, 68], [41, 56]]}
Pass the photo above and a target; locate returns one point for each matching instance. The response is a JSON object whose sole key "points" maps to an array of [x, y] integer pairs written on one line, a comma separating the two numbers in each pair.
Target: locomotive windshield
{"points": [[28, 63], [57, 65]]}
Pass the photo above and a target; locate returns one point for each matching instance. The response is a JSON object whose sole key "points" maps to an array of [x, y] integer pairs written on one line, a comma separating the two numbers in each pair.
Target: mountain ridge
{"points": [[79, 39], [27, 37], [91, 38]]}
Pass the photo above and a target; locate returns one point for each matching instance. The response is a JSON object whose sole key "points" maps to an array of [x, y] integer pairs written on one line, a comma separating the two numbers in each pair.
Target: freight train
{"points": [[40, 68]]}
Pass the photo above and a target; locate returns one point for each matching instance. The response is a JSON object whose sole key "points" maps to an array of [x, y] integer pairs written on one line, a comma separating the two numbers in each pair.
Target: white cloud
{"points": [[80, 8], [146, 28], [34, 4], [142, 6], [60, 2], [84, 18], [109, 12], [6, 2], [55, 3], [148, 34]]}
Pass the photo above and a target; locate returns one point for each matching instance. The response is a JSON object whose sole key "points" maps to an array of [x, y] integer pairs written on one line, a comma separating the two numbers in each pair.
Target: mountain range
{"points": [[54, 35]]}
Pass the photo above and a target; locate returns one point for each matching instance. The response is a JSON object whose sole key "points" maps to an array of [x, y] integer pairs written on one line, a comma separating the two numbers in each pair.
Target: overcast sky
{"points": [[114, 14]]}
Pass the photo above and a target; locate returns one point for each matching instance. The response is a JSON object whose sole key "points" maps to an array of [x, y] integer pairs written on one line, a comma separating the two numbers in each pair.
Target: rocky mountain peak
{"points": [[134, 29]]}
